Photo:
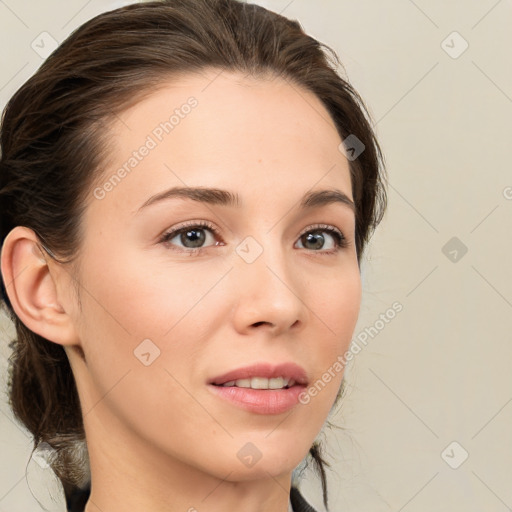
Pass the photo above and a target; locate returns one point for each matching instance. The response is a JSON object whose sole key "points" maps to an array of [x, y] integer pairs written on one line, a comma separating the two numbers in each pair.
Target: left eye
{"points": [[316, 238]]}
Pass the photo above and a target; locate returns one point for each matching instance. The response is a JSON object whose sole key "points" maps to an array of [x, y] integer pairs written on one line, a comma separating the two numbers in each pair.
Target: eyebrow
{"points": [[217, 196]]}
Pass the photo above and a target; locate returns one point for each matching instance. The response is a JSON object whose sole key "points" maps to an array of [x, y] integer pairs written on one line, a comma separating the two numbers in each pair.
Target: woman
{"points": [[187, 189]]}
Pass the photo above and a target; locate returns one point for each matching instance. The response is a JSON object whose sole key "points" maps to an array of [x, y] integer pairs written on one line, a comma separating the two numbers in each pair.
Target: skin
{"points": [[158, 439]]}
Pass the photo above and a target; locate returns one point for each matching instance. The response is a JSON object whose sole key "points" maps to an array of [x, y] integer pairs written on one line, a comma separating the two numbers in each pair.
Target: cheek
{"points": [[336, 307], [148, 320], [139, 298], [142, 342], [336, 312]]}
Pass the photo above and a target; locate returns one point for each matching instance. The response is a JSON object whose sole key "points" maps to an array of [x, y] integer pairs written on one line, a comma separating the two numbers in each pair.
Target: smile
{"points": [[261, 383]]}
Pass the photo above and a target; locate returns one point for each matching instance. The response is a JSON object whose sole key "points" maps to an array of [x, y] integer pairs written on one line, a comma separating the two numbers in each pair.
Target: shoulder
{"points": [[77, 498], [298, 501]]}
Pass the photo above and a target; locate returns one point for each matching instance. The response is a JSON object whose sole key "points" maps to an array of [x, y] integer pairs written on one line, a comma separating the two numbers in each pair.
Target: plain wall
{"points": [[432, 385]]}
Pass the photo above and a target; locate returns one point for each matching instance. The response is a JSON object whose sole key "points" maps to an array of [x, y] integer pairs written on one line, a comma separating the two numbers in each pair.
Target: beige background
{"points": [[439, 372]]}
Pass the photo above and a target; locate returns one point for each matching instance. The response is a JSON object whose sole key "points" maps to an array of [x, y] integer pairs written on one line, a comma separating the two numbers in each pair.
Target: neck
{"points": [[128, 473]]}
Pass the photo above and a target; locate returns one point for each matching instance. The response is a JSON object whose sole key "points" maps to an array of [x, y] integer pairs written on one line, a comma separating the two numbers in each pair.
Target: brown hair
{"points": [[54, 141]]}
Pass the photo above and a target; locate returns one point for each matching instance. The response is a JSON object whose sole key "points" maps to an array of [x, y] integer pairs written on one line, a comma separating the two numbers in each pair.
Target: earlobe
{"points": [[32, 289]]}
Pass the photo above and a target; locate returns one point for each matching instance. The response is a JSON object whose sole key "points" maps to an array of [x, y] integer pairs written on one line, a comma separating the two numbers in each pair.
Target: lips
{"points": [[261, 401], [290, 371]]}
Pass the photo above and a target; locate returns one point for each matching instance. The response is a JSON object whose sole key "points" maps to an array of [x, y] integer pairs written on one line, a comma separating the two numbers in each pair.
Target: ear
{"points": [[30, 277]]}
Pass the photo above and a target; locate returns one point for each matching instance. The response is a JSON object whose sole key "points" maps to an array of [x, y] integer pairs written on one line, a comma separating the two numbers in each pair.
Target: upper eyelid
{"points": [[166, 235], [203, 224], [321, 226], [190, 224]]}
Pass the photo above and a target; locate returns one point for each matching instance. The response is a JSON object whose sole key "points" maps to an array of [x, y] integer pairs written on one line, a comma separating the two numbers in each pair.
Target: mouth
{"points": [[263, 376], [262, 388], [260, 383]]}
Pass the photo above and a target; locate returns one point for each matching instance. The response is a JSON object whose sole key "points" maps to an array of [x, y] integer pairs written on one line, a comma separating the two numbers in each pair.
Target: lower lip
{"points": [[260, 401]]}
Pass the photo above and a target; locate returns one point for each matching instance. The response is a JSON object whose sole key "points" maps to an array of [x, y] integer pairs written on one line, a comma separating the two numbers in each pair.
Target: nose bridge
{"points": [[265, 283]]}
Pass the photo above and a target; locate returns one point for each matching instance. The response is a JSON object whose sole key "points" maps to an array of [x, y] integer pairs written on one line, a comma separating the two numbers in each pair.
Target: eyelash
{"points": [[340, 241]]}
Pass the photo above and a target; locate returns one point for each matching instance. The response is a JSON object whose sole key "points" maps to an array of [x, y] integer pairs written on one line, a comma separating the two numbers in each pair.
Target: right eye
{"points": [[189, 233]]}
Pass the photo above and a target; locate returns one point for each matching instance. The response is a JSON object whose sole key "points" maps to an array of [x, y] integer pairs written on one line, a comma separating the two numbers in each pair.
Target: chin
{"points": [[259, 459]]}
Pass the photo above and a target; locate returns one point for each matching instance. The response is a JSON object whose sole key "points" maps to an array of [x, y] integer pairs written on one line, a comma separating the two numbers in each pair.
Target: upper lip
{"points": [[287, 370]]}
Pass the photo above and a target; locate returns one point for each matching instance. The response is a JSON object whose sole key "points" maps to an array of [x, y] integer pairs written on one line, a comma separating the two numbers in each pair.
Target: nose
{"points": [[268, 293]]}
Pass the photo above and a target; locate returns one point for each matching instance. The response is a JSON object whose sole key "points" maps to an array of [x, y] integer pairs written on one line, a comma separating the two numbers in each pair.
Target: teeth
{"points": [[261, 383], [276, 383], [258, 383], [243, 383]]}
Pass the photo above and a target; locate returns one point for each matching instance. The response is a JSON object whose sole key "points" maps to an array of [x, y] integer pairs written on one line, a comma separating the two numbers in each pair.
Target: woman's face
{"points": [[163, 315]]}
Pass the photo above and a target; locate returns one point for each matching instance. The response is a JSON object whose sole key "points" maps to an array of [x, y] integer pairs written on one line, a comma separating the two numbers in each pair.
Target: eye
{"points": [[313, 238], [191, 235], [192, 238]]}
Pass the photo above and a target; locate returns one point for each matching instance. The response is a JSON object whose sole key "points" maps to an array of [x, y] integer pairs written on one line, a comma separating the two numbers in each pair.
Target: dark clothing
{"points": [[77, 499], [298, 502]]}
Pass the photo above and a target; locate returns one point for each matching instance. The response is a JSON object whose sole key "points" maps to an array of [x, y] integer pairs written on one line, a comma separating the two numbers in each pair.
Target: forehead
{"points": [[223, 128]]}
